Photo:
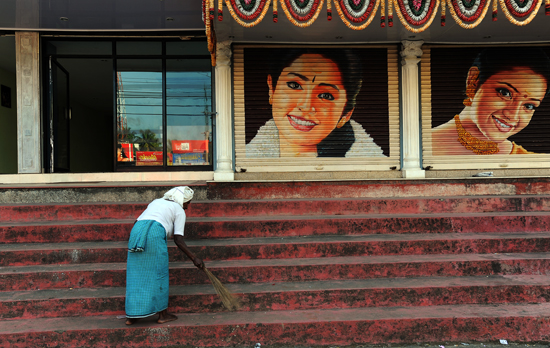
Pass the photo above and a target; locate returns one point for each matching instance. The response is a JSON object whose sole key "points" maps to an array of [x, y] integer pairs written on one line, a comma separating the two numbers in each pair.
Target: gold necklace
{"points": [[479, 147]]}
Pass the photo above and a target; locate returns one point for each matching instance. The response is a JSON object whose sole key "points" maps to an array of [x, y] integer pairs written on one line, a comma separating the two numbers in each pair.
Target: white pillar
{"points": [[28, 102], [412, 50], [224, 130]]}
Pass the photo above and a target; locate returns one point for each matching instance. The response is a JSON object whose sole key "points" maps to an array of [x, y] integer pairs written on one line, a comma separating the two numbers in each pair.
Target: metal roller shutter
{"points": [[507, 123], [295, 125]]}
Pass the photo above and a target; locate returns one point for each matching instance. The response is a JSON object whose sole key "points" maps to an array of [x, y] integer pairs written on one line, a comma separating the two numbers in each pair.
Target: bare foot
{"points": [[131, 321], [165, 317]]}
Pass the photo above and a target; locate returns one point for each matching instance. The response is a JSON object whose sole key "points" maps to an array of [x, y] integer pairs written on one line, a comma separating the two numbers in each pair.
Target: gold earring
{"points": [[270, 99], [341, 123], [471, 88], [470, 93]]}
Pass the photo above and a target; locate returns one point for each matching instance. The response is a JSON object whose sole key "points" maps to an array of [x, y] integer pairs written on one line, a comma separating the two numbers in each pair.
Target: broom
{"points": [[230, 301]]}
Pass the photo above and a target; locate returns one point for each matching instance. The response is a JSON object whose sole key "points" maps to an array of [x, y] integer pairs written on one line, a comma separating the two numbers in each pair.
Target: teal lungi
{"points": [[147, 271]]}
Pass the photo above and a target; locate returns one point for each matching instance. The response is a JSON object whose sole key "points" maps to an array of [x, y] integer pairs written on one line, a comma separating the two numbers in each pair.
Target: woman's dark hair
{"points": [[493, 60], [339, 141]]}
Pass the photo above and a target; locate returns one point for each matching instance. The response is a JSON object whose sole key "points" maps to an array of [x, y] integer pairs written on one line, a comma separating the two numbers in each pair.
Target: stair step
{"points": [[381, 325], [423, 291], [280, 226], [379, 188], [284, 247], [90, 192], [282, 270], [317, 206]]}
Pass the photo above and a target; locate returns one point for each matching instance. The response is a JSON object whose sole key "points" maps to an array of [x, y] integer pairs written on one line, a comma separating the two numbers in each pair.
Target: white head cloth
{"points": [[179, 195]]}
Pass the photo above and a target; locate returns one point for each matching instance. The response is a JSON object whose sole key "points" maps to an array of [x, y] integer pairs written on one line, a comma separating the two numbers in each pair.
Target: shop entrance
{"points": [[78, 109], [127, 105]]}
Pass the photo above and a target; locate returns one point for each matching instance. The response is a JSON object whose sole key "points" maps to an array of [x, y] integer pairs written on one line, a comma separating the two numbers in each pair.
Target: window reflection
{"points": [[189, 112], [139, 113]]}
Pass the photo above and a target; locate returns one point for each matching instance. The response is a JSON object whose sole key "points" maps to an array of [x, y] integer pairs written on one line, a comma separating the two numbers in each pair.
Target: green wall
{"points": [[8, 127]]}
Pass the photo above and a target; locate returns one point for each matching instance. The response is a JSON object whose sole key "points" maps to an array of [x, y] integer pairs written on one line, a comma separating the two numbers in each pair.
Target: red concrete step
{"points": [[384, 205], [282, 270], [68, 212], [379, 188], [280, 226], [285, 247], [382, 325], [316, 206], [423, 291]]}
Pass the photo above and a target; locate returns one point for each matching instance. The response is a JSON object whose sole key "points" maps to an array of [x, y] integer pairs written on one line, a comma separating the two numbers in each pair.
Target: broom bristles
{"points": [[230, 301]]}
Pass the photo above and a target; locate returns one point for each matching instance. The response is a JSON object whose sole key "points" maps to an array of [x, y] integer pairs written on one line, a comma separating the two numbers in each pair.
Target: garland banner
{"points": [[468, 13], [415, 15], [247, 13], [302, 13], [520, 12], [357, 14]]}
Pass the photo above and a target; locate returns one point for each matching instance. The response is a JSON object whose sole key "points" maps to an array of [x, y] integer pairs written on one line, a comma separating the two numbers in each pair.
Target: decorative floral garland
{"points": [[208, 16], [520, 8], [415, 15], [465, 12], [514, 8], [255, 10], [416, 12], [363, 12], [422, 12], [302, 13]]}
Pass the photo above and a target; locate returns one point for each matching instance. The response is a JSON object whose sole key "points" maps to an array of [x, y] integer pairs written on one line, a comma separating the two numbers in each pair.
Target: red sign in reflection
{"points": [[149, 158], [187, 146]]}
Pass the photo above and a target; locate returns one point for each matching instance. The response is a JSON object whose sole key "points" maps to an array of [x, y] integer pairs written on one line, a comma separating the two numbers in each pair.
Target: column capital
{"points": [[411, 51], [223, 53]]}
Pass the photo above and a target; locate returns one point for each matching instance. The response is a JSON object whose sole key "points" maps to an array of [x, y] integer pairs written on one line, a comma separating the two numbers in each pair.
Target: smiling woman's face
{"points": [[308, 100], [506, 101]]}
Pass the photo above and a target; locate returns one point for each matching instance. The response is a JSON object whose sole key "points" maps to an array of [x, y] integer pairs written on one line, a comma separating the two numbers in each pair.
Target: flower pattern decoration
{"points": [[248, 9], [417, 12], [302, 13], [468, 13], [526, 10], [357, 14], [520, 8], [469, 10], [248, 13], [416, 15]]}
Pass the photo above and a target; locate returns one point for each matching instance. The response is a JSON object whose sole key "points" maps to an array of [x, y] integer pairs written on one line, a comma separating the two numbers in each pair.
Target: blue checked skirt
{"points": [[147, 270]]}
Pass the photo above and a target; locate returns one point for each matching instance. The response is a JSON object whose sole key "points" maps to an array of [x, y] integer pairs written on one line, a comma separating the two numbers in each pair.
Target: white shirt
{"points": [[169, 214]]}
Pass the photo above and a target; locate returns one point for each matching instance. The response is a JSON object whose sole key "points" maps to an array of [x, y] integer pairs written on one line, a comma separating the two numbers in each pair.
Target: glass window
{"points": [[139, 112], [189, 112]]}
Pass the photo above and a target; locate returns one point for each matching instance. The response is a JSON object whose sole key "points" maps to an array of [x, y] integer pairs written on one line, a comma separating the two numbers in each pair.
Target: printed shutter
{"points": [[483, 135], [258, 128]]}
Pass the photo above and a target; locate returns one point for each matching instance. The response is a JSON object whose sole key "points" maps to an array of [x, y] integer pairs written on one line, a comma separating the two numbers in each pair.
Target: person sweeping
{"points": [[147, 266]]}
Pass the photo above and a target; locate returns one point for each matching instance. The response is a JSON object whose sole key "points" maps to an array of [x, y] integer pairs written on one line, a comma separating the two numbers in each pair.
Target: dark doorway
{"points": [[80, 116]]}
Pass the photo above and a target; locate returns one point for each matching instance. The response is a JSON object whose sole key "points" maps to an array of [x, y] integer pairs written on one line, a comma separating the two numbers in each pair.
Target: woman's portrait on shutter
{"points": [[307, 102], [503, 94]]}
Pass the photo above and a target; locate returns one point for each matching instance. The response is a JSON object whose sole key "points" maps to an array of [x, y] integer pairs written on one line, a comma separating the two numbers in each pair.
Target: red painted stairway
{"points": [[315, 263]]}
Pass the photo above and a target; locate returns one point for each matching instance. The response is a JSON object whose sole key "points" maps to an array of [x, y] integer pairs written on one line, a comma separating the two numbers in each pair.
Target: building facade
{"points": [[272, 90]]}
